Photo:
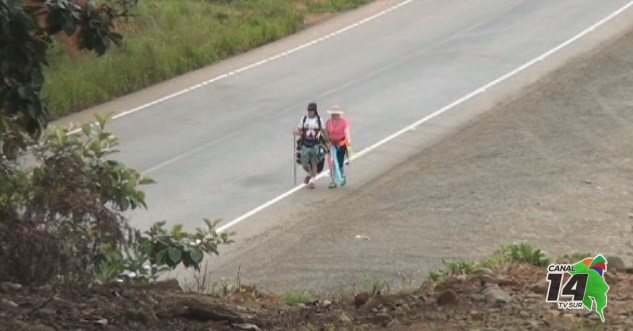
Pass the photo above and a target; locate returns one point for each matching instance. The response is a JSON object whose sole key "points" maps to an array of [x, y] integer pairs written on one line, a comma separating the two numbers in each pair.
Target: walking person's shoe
{"points": [[344, 181], [332, 185], [307, 180], [311, 183]]}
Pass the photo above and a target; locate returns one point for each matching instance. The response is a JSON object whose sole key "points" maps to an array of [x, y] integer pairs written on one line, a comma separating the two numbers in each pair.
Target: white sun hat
{"points": [[335, 110]]}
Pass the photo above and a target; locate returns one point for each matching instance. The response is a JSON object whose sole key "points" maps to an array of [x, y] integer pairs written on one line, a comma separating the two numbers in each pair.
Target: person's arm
{"points": [[298, 131], [348, 143], [348, 137], [325, 131]]}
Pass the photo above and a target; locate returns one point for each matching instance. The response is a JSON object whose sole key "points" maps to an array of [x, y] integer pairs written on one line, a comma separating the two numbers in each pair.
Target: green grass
{"points": [[375, 285], [573, 257], [167, 38], [525, 252], [517, 252], [320, 6], [298, 297]]}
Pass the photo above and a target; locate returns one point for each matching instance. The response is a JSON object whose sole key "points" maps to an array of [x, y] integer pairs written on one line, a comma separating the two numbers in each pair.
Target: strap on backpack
{"points": [[303, 126]]}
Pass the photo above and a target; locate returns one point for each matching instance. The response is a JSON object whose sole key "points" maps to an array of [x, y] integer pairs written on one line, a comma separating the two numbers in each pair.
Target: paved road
{"points": [[225, 148], [552, 166]]}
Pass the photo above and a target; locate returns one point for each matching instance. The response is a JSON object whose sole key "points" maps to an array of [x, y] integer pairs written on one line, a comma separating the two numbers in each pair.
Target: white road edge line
{"points": [[437, 112], [256, 64]]}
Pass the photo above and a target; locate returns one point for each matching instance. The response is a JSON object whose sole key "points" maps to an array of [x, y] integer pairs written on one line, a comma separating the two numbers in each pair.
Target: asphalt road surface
{"points": [[225, 148]]}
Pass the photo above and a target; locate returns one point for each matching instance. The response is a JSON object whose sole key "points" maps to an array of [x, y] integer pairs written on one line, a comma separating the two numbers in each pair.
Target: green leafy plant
{"points": [[521, 252], [298, 297], [525, 252], [437, 275], [462, 267], [452, 268], [71, 191], [145, 255], [375, 285], [62, 202], [74, 194]]}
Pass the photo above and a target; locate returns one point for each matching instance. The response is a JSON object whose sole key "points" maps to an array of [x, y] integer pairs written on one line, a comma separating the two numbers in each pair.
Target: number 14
{"points": [[575, 286]]}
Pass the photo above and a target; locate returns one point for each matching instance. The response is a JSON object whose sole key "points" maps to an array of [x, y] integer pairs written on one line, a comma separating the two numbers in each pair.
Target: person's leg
{"points": [[330, 161], [305, 162], [340, 155], [314, 159]]}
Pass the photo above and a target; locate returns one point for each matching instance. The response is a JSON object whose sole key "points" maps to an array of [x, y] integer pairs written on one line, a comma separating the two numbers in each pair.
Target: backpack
{"points": [[320, 138], [320, 142]]}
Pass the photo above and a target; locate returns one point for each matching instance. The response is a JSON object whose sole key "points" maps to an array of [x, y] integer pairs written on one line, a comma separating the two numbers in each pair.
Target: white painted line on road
{"points": [[438, 112], [256, 64], [272, 58]]}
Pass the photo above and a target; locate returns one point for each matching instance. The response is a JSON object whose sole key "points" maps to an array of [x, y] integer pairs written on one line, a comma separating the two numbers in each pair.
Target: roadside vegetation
{"points": [[506, 254], [166, 38], [62, 195]]}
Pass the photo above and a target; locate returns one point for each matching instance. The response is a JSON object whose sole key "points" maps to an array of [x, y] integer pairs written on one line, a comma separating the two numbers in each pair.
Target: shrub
{"points": [[145, 255], [63, 211], [524, 252]]}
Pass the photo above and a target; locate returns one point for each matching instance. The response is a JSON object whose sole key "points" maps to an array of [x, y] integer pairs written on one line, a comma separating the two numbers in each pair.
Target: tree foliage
{"points": [[26, 33]]}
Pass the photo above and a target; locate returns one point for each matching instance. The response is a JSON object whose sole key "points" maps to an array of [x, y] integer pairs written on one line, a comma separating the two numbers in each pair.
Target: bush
{"points": [[61, 215], [144, 256]]}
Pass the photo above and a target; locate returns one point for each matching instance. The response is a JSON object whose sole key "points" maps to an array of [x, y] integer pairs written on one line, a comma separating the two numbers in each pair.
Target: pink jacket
{"points": [[338, 131]]}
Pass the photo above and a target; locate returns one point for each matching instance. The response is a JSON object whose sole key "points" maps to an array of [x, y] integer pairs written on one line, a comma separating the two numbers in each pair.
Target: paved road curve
{"points": [[225, 148]]}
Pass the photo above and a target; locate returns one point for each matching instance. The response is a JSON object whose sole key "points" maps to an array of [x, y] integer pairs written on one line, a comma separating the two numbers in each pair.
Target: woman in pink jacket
{"points": [[339, 138]]}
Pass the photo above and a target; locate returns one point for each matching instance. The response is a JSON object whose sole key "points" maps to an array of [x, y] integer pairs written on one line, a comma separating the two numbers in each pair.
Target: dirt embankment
{"points": [[511, 298]]}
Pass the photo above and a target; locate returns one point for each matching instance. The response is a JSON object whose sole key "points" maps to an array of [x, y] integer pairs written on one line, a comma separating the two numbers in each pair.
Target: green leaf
{"points": [[87, 129], [114, 256], [37, 77], [116, 38], [175, 254], [69, 26], [196, 255], [161, 257], [165, 240], [55, 20], [124, 204]]}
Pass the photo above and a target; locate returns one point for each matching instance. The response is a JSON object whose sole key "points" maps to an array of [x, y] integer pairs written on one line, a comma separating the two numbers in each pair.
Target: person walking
{"points": [[339, 141], [310, 129]]}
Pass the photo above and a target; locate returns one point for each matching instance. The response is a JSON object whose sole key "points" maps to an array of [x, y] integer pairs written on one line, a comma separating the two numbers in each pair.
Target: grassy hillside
{"points": [[170, 37]]}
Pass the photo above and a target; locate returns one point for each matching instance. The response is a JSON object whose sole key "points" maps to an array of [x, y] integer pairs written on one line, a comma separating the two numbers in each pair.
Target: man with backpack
{"points": [[312, 139]]}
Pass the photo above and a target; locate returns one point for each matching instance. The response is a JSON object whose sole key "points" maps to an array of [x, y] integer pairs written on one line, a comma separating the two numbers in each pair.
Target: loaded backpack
{"points": [[320, 141]]}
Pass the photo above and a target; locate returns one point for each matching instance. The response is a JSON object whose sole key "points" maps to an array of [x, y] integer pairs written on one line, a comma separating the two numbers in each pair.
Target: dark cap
{"points": [[312, 106]]}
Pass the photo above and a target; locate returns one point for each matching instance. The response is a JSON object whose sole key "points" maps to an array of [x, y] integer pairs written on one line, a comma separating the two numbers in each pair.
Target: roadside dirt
{"points": [[509, 298]]}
